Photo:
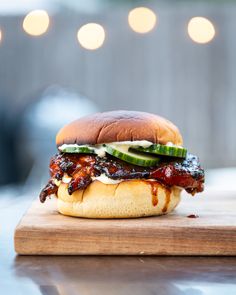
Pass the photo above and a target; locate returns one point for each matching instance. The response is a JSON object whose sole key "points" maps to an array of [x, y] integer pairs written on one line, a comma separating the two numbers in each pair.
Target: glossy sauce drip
{"points": [[154, 193], [193, 216], [154, 190], [167, 191]]}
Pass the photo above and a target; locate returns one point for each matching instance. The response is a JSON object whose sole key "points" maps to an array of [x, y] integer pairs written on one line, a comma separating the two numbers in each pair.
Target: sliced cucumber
{"points": [[77, 149], [136, 158], [165, 150]]}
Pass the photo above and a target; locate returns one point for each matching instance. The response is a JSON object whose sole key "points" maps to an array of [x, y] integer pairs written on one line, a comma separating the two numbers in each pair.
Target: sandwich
{"points": [[121, 164]]}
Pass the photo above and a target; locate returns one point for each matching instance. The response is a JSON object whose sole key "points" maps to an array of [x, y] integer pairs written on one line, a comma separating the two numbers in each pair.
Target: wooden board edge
{"points": [[28, 242]]}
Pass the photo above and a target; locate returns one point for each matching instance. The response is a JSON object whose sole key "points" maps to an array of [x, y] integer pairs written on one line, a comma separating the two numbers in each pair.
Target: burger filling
{"points": [[78, 170]]}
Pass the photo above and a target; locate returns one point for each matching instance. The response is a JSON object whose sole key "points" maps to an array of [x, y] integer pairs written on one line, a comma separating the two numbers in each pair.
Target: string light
{"points": [[201, 30], [142, 20], [36, 22], [91, 36]]}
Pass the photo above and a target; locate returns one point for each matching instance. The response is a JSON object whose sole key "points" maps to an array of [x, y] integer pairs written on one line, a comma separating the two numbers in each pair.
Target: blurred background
{"points": [[62, 59]]}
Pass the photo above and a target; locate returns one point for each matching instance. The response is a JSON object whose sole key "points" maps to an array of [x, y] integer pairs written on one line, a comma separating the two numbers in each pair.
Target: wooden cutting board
{"points": [[43, 231]]}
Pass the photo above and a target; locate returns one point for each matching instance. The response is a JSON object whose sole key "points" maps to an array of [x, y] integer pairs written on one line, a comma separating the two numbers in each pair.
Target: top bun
{"points": [[119, 126]]}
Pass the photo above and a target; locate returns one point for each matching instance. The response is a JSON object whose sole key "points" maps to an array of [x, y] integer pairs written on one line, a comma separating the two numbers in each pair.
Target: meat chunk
{"points": [[185, 173], [50, 189]]}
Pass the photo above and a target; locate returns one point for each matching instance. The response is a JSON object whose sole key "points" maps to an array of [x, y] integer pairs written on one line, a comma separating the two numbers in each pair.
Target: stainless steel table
{"points": [[103, 275]]}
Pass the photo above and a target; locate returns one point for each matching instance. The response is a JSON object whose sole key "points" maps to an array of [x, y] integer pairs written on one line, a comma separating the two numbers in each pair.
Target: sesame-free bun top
{"points": [[119, 126]]}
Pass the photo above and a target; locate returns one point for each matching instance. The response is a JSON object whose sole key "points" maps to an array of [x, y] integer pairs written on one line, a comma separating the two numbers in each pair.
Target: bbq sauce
{"points": [[193, 216], [154, 189], [167, 191]]}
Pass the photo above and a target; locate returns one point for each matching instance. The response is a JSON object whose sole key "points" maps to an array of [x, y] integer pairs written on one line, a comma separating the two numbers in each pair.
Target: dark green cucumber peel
{"points": [[132, 157], [77, 149], [164, 150]]}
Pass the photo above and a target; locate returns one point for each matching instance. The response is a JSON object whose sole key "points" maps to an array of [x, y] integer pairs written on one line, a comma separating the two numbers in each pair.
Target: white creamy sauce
{"points": [[100, 150], [66, 178], [169, 143], [102, 178], [64, 146], [106, 180], [135, 143]]}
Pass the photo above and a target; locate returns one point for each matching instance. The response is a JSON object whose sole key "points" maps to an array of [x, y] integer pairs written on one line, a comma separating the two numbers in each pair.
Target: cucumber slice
{"points": [[77, 149], [136, 158], [165, 150]]}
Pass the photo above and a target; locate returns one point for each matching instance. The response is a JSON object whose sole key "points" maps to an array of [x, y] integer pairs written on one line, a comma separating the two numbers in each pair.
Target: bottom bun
{"points": [[127, 199]]}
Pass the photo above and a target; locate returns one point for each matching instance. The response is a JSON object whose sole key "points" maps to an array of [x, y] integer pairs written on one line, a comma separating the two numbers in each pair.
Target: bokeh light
{"points": [[36, 22], [142, 20], [201, 30], [91, 36], [0, 35]]}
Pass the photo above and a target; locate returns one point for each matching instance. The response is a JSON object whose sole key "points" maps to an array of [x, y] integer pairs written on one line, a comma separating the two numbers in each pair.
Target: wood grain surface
{"points": [[43, 231]]}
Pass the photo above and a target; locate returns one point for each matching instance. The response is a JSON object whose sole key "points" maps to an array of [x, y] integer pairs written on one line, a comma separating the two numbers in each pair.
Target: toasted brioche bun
{"points": [[119, 126], [131, 198]]}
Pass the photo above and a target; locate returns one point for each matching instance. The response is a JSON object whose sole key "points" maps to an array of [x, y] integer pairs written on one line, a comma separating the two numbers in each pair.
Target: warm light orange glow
{"points": [[142, 19], [201, 30], [36, 22], [0, 35], [91, 36]]}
